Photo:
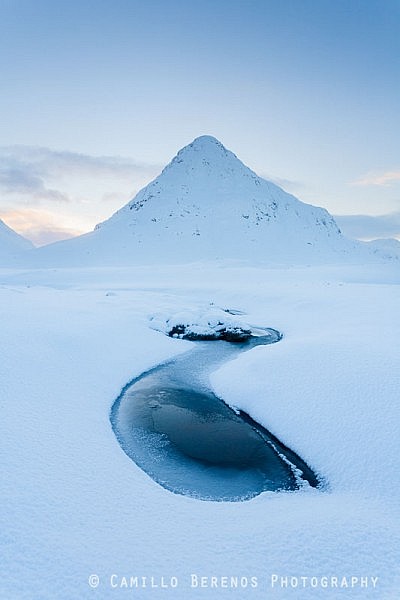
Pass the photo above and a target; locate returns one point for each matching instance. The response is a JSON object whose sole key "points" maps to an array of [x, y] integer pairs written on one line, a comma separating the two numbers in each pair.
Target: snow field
{"points": [[75, 505]]}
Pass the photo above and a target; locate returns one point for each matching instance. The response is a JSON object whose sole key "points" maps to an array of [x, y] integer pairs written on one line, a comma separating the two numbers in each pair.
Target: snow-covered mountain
{"points": [[387, 247], [12, 245], [206, 204]]}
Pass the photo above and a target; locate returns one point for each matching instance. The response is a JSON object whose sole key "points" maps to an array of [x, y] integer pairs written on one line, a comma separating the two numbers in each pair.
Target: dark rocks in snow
{"points": [[221, 332], [234, 311], [203, 323]]}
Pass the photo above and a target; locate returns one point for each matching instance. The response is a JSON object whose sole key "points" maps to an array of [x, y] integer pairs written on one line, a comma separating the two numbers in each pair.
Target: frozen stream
{"points": [[171, 424]]}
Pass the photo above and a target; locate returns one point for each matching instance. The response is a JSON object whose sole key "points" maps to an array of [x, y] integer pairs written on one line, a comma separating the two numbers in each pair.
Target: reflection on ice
{"points": [[171, 425]]}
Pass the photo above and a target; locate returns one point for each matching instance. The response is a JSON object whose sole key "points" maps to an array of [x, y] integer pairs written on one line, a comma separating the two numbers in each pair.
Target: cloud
{"points": [[286, 184], [37, 225], [15, 179], [383, 179], [48, 195], [35, 175], [366, 227]]}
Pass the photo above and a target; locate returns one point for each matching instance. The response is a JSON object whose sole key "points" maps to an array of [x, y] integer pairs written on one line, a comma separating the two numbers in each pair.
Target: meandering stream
{"points": [[171, 424]]}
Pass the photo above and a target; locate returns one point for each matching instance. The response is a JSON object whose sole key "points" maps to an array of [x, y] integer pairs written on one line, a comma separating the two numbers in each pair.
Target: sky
{"points": [[97, 96]]}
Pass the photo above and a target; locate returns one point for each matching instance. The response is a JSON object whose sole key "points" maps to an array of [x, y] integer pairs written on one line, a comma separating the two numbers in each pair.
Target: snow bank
{"points": [[206, 323]]}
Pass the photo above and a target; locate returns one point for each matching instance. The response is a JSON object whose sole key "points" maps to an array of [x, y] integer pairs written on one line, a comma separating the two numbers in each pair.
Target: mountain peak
{"points": [[205, 141], [205, 147], [204, 156]]}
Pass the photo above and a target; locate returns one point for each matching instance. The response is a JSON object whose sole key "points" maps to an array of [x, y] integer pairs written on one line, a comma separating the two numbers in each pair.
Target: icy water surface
{"points": [[188, 440]]}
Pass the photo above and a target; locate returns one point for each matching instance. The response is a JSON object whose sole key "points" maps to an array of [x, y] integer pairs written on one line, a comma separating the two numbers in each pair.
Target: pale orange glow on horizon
{"points": [[43, 227]]}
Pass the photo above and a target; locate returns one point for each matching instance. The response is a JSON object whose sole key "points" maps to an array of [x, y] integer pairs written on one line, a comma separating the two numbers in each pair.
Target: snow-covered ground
{"points": [[74, 505]]}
